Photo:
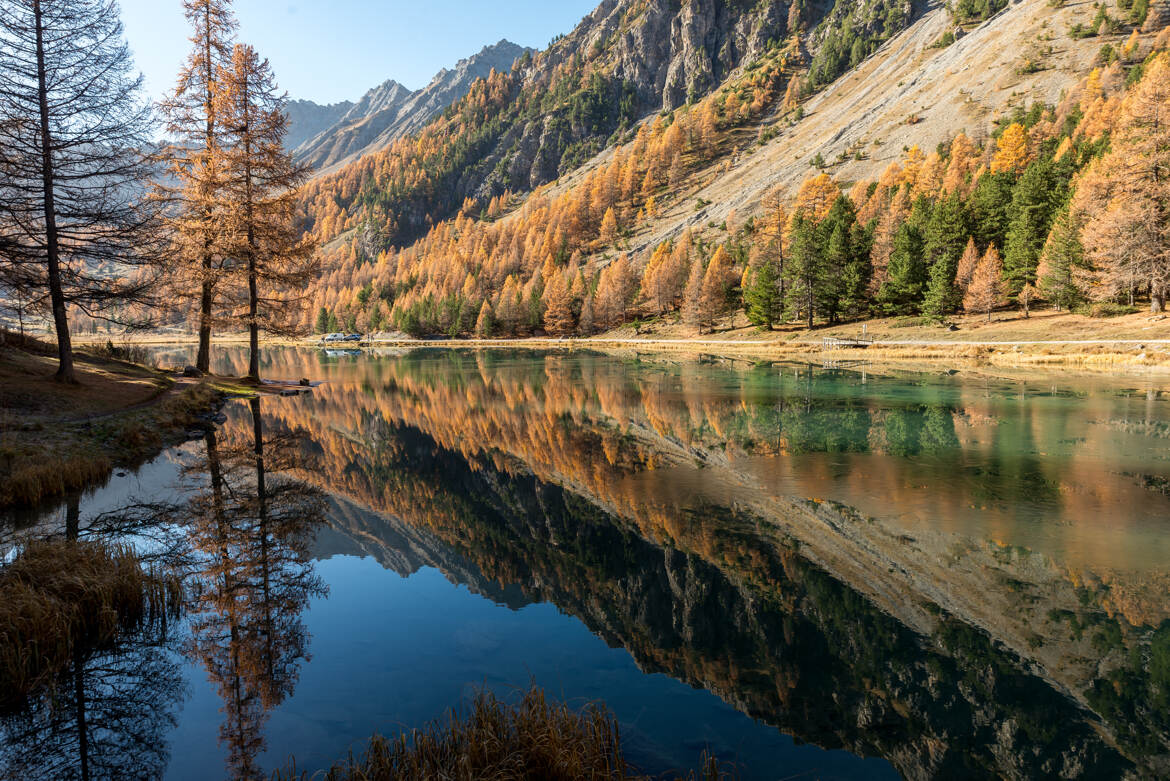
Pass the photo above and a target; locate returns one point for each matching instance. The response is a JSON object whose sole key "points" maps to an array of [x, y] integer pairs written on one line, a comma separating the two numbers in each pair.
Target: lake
{"points": [[809, 572]]}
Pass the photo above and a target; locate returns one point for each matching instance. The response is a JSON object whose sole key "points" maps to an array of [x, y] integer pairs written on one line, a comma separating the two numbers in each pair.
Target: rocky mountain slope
{"points": [[326, 136], [627, 60]]}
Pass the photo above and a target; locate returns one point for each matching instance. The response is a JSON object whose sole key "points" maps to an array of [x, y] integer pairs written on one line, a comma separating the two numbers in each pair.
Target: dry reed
{"points": [[531, 739], [58, 597]]}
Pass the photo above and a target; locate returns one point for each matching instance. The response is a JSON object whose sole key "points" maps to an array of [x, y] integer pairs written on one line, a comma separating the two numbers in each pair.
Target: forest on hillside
{"points": [[1067, 204]]}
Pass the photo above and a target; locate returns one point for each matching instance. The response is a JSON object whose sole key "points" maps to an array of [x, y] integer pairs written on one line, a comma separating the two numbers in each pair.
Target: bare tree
{"points": [[74, 135]]}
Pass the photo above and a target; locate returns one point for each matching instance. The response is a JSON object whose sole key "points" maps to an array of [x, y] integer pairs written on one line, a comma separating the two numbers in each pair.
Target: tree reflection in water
{"points": [[252, 532], [241, 537], [109, 713]]}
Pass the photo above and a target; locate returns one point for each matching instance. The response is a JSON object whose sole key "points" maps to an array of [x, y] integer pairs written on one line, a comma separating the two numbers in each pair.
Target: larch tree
{"points": [[73, 130], [558, 311], [609, 227], [986, 291], [967, 263], [717, 283], [259, 197], [775, 223], [1011, 150], [692, 308], [195, 160], [484, 324], [1126, 195]]}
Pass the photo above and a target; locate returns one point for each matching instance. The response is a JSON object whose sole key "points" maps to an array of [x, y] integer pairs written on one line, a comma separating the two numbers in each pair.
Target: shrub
{"points": [[1106, 309]]}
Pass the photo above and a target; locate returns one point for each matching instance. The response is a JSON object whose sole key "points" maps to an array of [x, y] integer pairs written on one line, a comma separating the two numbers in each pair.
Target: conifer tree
{"points": [[259, 195], [609, 227], [717, 285], [967, 264], [806, 267], [1011, 150], [906, 275], [692, 310], [943, 249], [1031, 211], [73, 127], [1062, 262], [764, 303], [986, 291], [585, 323], [483, 324], [558, 312], [195, 160], [1125, 196]]}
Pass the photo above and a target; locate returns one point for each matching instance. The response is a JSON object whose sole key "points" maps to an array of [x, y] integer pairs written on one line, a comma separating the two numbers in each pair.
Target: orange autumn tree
{"points": [[1011, 150], [259, 195], [195, 161], [1125, 196], [986, 291]]}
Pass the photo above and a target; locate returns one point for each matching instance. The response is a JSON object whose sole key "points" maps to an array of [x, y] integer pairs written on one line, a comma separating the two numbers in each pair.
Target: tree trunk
{"points": [[65, 371], [203, 358], [207, 291], [253, 293], [1157, 299]]}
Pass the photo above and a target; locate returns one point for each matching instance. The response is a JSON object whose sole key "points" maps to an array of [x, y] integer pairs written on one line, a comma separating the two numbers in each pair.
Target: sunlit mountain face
{"points": [[802, 569]]}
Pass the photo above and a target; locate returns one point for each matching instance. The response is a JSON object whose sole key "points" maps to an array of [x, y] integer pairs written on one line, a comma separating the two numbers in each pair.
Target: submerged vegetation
{"points": [[62, 597], [530, 739]]}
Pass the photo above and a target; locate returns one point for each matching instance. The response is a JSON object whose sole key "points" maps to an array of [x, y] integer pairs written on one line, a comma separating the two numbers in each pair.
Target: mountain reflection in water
{"points": [[963, 577]]}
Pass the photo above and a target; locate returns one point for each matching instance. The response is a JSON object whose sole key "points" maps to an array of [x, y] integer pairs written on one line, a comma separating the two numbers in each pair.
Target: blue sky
{"points": [[331, 50]]}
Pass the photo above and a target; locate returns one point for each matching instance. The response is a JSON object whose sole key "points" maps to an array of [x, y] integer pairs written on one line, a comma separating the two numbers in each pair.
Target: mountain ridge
{"points": [[326, 137]]}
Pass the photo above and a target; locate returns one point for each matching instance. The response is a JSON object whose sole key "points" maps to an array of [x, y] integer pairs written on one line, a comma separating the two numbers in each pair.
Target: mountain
{"points": [[306, 119], [325, 136], [656, 132]]}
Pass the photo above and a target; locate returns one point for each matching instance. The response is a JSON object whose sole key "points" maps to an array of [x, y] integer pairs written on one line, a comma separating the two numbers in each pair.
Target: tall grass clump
{"points": [[492, 739], [60, 597]]}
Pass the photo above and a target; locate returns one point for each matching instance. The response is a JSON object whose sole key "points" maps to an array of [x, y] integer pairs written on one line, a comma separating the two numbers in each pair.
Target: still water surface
{"points": [[810, 572]]}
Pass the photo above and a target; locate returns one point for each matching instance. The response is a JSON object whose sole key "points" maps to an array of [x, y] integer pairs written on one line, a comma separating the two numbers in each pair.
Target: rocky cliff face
{"points": [[306, 119], [386, 112], [670, 50]]}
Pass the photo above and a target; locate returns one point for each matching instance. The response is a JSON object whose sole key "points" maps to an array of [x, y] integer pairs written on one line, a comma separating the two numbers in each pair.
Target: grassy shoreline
{"points": [[57, 439], [1129, 345]]}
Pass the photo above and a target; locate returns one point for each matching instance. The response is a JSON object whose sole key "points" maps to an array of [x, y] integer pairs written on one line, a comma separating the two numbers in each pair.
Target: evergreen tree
{"points": [[906, 274], [764, 302], [1033, 204], [806, 267], [943, 246], [1061, 262], [846, 261], [988, 205], [322, 325]]}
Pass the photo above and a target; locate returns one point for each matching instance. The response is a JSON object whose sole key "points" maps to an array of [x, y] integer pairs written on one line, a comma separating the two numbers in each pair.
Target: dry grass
{"points": [[62, 596], [532, 739], [56, 439], [33, 480]]}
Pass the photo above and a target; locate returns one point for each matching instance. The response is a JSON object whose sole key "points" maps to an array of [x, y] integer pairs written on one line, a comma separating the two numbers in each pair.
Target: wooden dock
{"points": [[845, 343]]}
